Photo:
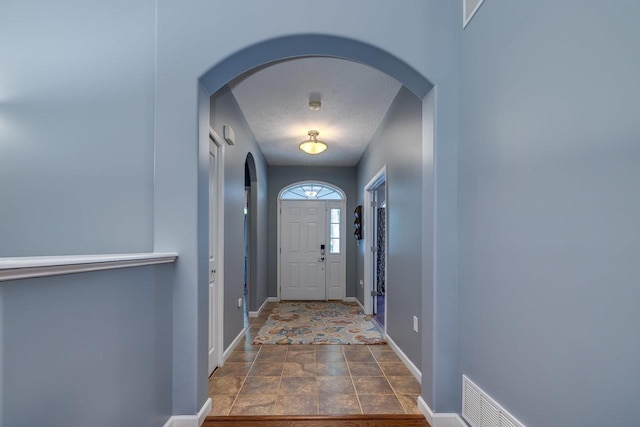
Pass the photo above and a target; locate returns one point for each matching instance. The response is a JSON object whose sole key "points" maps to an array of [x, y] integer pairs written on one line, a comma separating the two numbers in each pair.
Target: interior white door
{"points": [[213, 252], [303, 250]]}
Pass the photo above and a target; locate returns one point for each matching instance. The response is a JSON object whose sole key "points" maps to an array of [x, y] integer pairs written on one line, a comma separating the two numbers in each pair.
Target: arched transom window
{"points": [[311, 191]]}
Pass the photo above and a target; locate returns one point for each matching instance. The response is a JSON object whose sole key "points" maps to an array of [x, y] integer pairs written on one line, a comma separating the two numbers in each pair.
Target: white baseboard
{"points": [[408, 363], [438, 419], [228, 350], [190, 420], [257, 313], [354, 299]]}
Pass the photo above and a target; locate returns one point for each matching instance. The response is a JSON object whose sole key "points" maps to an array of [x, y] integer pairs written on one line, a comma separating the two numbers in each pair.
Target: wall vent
{"points": [[469, 8], [481, 410]]}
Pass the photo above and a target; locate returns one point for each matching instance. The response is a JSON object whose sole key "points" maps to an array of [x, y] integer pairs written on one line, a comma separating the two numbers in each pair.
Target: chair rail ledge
{"points": [[12, 268]]}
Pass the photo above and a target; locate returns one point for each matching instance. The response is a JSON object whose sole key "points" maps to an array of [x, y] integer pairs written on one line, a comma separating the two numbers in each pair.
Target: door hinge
{"points": [[373, 249], [374, 204]]}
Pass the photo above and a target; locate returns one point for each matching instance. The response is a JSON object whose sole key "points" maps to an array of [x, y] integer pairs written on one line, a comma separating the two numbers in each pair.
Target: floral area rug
{"points": [[318, 323]]}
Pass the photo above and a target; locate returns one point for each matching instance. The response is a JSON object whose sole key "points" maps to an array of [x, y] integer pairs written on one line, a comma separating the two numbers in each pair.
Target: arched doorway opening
{"points": [[313, 45], [250, 233]]}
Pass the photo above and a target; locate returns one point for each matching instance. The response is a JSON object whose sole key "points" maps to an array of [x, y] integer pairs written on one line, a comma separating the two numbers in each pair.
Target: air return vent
{"points": [[469, 8], [481, 410]]}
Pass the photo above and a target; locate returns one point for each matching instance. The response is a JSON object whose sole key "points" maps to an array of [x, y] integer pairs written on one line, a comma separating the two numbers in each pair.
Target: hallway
{"points": [[311, 379]]}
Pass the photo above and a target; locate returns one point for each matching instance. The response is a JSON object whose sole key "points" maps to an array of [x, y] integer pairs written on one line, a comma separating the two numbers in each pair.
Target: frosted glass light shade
{"points": [[313, 147]]}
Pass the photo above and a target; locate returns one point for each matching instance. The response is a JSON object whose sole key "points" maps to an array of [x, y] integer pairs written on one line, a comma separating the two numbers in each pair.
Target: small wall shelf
{"points": [[41, 266]]}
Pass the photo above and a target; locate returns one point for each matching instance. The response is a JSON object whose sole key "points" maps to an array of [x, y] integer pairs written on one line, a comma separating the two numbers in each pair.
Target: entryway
{"points": [[312, 254], [311, 379]]}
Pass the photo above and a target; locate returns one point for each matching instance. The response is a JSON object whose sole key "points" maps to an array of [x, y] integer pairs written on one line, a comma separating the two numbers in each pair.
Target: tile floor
{"points": [[311, 379]]}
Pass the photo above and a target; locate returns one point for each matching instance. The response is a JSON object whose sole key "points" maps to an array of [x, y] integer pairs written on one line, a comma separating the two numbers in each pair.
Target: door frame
{"points": [[375, 182], [217, 321], [343, 230]]}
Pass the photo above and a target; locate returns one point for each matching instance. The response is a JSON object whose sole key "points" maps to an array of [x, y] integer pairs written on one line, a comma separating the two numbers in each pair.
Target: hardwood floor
{"points": [[318, 421]]}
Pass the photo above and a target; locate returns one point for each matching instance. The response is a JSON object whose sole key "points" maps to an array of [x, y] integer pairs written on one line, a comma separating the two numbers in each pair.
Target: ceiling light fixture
{"points": [[315, 105], [312, 145]]}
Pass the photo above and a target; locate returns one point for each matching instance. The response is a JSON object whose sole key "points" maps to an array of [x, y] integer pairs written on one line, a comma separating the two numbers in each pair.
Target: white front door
{"points": [[213, 252], [303, 250]]}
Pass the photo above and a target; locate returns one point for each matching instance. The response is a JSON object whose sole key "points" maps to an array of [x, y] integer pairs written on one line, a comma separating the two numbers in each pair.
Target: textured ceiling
{"points": [[275, 98]]}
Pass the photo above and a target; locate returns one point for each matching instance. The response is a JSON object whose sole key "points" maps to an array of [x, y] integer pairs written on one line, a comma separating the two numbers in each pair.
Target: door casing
{"points": [[216, 306], [369, 263], [343, 228]]}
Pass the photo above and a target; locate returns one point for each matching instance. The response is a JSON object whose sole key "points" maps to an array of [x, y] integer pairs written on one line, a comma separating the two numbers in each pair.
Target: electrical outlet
{"points": [[362, 283], [415, 323], [239, 302]]}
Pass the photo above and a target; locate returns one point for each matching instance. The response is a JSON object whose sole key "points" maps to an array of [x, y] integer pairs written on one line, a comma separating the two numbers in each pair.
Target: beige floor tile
{"points": [[329, 356], [233, 369], [404, 385], [338, 404], [271, 356], [299, 369], [298, 386], [395, 369], [254, 405], [359, 356], [329, 348], [260, 385], [356, 348], [380, 404], [332, 369], [266, 369], [365, 370], [335, 385], [296, 405], [301, 356], [221, 405], [242, 356], [410, 403], [387, 356], [229, 386], [372, 385], [302, 347], [273, 348]]}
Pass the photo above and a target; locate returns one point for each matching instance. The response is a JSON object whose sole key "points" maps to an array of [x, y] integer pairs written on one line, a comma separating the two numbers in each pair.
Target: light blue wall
{"points": [[88, 349], [342, 177], [76, 127], [549, 208], [398, 144], [226, 111], [76, 177]]}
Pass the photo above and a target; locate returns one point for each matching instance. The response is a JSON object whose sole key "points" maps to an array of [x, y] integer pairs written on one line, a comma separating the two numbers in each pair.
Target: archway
{"points": [[250, 232], [330, 46]]}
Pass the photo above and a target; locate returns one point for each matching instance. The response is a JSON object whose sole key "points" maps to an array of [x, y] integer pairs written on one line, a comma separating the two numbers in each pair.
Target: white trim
{"points": [[439, 419], [408, 363], [190, 420], [235, 342], [377, 179], [343, 241], [39, 266], [220, 252], [313, 181], [465, 20], [257, 313]]}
